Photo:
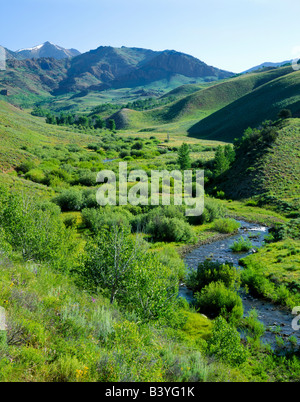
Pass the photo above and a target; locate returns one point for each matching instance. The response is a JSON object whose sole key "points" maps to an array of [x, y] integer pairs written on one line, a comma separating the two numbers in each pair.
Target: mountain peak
{"points": [[47, 49]]}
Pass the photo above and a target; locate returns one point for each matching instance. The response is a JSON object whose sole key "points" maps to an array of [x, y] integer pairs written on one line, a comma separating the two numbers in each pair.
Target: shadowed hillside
{"points": [[267, 168], [263, 103]]}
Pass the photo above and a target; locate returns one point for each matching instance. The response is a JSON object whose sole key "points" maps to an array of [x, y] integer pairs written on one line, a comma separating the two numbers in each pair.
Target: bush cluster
{"points": [[215, 287], [36, 230]]}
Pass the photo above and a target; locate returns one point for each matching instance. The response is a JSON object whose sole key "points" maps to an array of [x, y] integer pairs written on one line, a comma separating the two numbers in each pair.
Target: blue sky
{"points": [[229, 34]]}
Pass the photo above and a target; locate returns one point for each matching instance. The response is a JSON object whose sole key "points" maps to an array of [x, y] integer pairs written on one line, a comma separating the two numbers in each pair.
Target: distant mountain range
{"points": [[268, 65], [104, 68], [109, 67], [103, 54]]}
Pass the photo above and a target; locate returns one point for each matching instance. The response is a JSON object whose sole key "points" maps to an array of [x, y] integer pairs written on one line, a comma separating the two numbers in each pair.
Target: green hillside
{"points": [[184, 90], [219, 95], [185, 112], [20, 132], [272, 169], [24, 137], [263, 103], [30, 81]]}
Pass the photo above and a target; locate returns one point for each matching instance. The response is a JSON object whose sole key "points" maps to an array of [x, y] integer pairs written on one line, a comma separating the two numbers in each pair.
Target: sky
{"points": [[233, 35]]}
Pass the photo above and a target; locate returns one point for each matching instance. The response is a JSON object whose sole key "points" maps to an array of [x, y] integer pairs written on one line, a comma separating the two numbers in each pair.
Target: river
{"points": [[271, 315]]}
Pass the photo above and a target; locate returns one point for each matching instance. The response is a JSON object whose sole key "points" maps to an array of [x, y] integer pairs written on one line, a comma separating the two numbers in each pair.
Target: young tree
{"points": [[83, 121], [99, 122], [110, 258], [285, 114], [221, 162], [111, 125], [37, 231], [229, 153], [183, 159], [152, 289], [120, 263]]}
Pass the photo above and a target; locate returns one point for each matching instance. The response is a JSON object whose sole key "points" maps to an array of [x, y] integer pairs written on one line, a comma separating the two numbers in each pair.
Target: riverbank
{"points": [[276, 319], [245, 210], [239, 211], [185, 250]]}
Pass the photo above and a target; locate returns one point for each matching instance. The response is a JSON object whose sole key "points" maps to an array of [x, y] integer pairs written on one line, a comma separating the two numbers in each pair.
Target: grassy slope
{"points": [[23, 137], [19, 130], [187, 89], [261, 104], [217, 96], [184, 113], [276, 171], [56, 331], [280, 262]]}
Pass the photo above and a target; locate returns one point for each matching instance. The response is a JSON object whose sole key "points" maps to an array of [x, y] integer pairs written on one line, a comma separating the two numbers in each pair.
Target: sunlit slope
{"points": [[19, 132]]}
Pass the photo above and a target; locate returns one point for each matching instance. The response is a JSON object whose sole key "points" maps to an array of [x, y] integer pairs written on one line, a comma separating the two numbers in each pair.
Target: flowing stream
{"points": [[277, 321]]}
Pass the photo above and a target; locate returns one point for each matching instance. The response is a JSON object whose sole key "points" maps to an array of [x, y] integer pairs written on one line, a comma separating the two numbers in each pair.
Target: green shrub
{"points": [[124, 154], [225, 344], [209, 271], [136, 153], [285, 114], [170, 211], [119, 263], [215, 299], [37, 231], [226, 225], [57, 173], [73, 148], [86, 178], [89, 198], [137, 145], [213, 209], [65, 369], [257, 283], [166, 223], [241, 245], [170, 229], [70, 200], [255, 328], [190, 367], [97, 219], [36, 175], [151, 290], [26, 166]]}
